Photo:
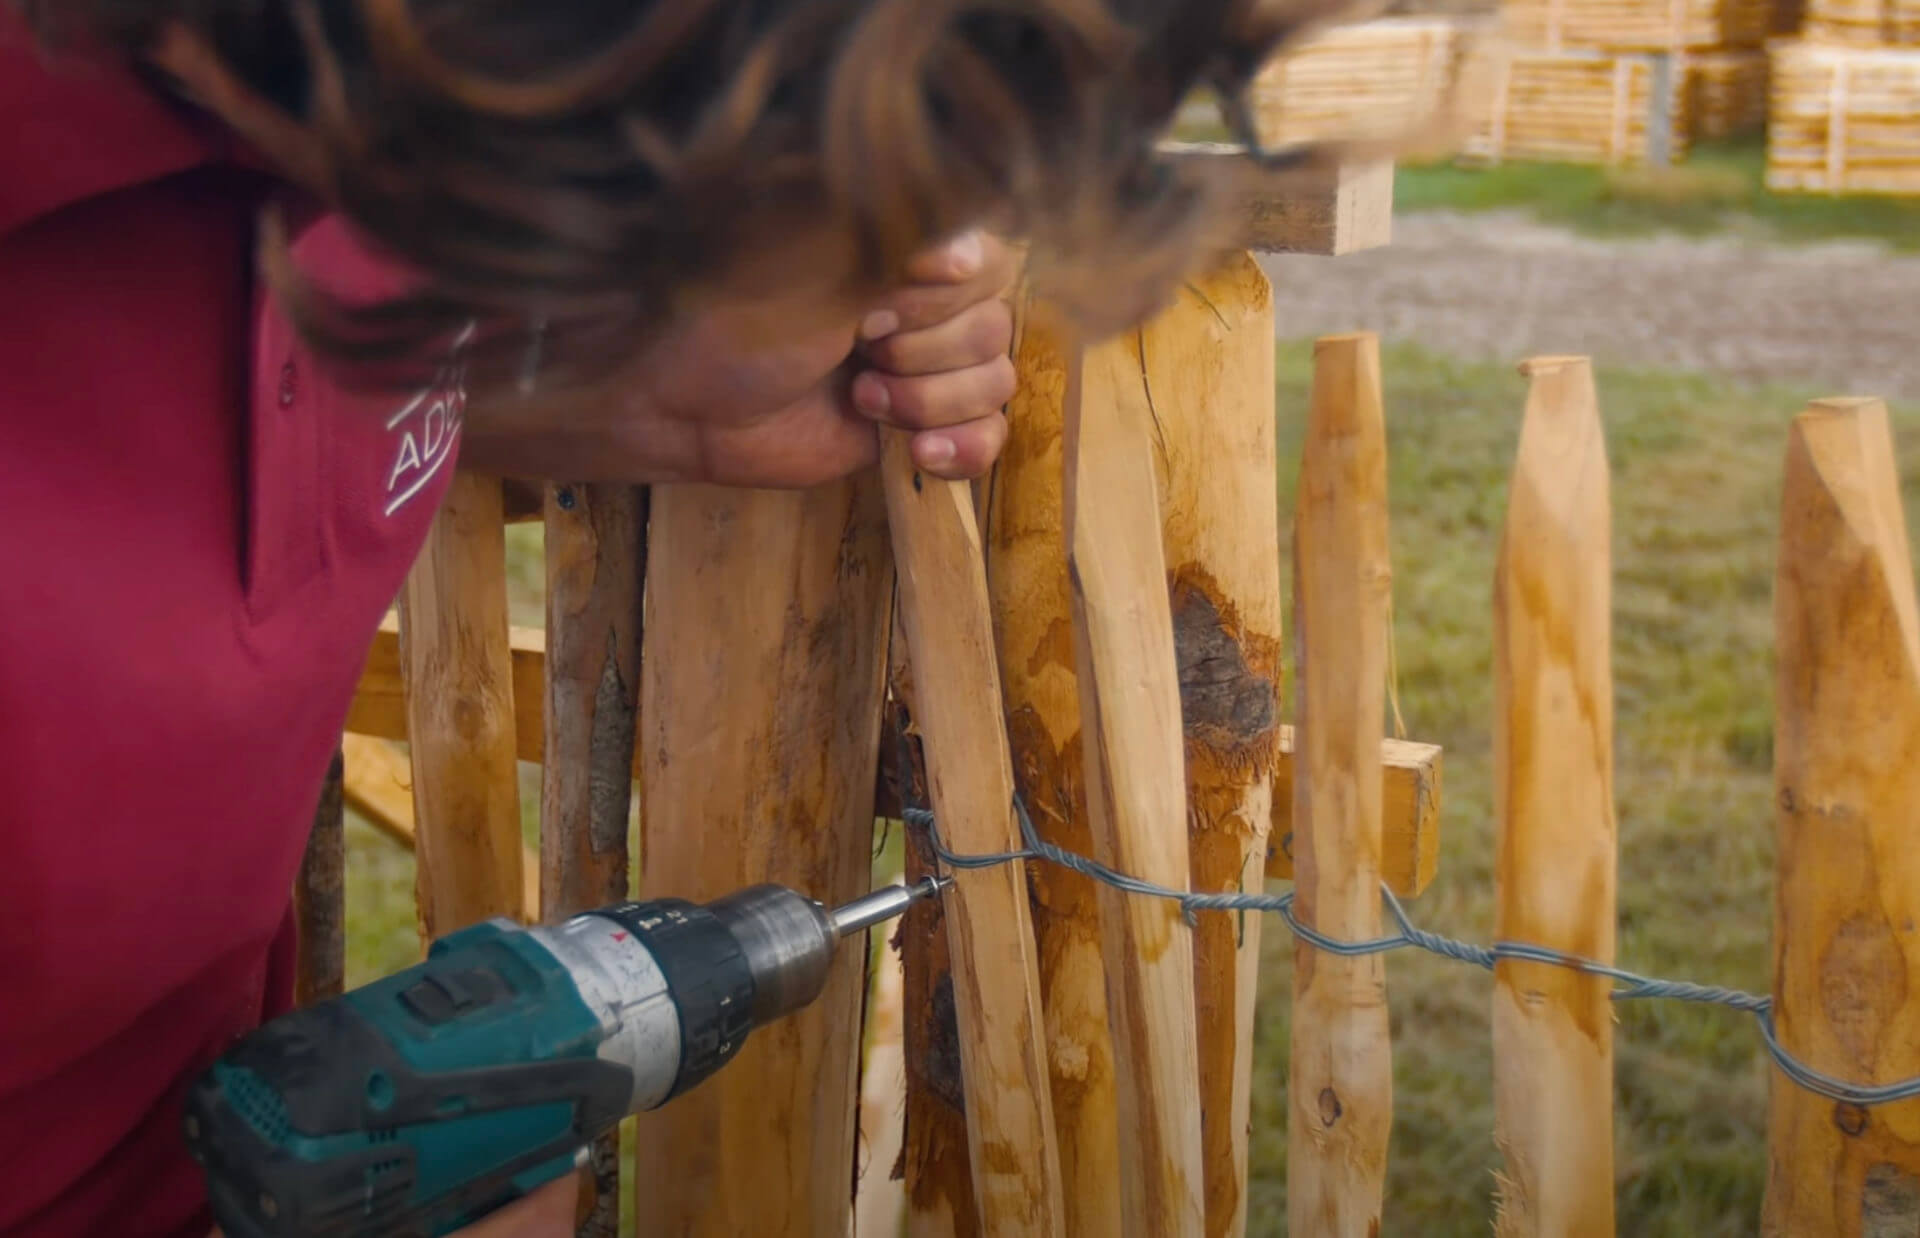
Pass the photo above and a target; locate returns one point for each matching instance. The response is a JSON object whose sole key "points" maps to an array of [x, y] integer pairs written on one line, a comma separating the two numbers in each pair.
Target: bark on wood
{"points": [[1340, 1109], [934, 1162], [766, 617], [1025, 534], [943, 592], [595, 560], [1847, 782], [1206, 373], [1553, 781], [459, 699], [1136, 783], [1409, 814], [320, 897]]}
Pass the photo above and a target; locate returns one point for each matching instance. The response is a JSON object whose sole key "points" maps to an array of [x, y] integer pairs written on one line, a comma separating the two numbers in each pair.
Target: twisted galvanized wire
{"points": [[1630, 986]]}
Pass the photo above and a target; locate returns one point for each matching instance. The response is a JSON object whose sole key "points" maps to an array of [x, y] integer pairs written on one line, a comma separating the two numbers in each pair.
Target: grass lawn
{"points": [[1717, 190], [1696, 466], [1696, 474]]}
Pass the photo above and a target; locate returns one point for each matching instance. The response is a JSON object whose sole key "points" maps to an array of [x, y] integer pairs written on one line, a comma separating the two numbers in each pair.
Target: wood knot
{"points": [[1850, 1118], [1329, 1107]]}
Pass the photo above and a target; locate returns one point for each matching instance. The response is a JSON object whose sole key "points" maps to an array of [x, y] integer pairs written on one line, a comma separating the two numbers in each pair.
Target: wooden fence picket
{"points": [[457, 669], [1553, 789], [595, 561], [1846, 974], [1340, 1089], [764, 658]]}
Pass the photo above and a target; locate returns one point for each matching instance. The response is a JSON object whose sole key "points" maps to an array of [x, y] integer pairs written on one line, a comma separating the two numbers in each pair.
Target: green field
{"points": [[1718, 190], [1696, 467]]}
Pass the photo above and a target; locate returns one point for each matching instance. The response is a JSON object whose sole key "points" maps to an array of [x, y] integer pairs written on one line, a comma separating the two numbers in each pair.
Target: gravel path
{"points": [[1843, 317]]}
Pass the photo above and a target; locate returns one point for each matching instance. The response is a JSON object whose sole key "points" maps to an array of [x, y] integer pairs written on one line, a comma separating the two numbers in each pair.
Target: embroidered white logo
{"points": [[428, 426]]}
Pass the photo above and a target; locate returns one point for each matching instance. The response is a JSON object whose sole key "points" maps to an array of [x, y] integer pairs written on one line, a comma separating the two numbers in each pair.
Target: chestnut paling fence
{"points": [[1065, 679]]}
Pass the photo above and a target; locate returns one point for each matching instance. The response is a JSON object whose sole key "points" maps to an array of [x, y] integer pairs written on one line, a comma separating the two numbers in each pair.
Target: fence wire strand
{"points": [[1629, 986]]}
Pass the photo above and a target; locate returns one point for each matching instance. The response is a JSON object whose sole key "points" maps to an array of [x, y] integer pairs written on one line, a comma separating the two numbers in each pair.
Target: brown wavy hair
{"points": [[597, 167]]}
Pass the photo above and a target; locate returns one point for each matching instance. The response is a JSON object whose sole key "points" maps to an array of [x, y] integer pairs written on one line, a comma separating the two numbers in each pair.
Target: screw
{"points": [[564, 498]]}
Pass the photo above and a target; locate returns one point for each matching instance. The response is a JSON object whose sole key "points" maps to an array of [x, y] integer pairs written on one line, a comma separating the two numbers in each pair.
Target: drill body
{"points": [[419, 1103]]}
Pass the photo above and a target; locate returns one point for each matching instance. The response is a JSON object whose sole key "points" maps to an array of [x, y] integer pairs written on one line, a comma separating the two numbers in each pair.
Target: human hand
{"points": [[738, 396]]}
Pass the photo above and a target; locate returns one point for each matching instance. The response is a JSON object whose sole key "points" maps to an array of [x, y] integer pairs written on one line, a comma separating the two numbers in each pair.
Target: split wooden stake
{"points": [[1205, 368], [459, 701], [1136, 783], [320, 897], [943, 590], [1340, 1109], [595, 559], [766, 617], [1025, 532], [935, 1163], [1553, 782], [1847, 793]]}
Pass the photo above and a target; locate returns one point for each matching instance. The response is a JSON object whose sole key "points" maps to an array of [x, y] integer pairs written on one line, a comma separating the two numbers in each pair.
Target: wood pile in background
{"points": [[1638, 25], [1844, 119], [1863, 23], [1381, 79], [1725, 92], [1580, 107], [1373, 79]]}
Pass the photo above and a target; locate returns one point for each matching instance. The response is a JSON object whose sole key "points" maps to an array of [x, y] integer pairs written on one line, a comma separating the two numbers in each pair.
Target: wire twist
{"points": [[1629, 986]]}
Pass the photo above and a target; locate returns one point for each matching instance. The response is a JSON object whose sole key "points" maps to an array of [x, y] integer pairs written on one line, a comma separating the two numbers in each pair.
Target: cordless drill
{"points": [[417, 1104]]}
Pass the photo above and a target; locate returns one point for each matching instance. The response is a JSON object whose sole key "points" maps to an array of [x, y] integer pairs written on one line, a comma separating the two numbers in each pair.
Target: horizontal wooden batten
{"points": [[1410, 814], [1410, 842]]}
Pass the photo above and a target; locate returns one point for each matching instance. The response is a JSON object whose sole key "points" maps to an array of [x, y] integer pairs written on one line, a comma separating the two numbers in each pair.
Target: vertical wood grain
{"points": [[458, 675], [761, 678], [1553, 782], [1847, 794], [1136, 784], [595, 560], [934, 1162], [1025, 533], [1014, 1158], [1206, 368], [1340, 1103]]}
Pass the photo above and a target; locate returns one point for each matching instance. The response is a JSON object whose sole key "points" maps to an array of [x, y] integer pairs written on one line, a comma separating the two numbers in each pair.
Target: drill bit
{"points": [[884, 904]]}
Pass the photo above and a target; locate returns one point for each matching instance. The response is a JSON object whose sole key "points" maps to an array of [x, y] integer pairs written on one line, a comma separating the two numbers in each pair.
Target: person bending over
{"points": [[271, 269]]}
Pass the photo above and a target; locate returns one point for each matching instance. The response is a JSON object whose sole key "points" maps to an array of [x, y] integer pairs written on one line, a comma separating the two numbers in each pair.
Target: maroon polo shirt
{"points": [[198, 536]]}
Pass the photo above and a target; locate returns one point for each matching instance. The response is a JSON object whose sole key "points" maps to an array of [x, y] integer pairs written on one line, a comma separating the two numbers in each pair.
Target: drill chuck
{"points": [[419, 1103]]}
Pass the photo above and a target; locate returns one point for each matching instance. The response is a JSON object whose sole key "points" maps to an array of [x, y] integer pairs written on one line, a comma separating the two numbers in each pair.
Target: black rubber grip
{"points": [[708, 975]]}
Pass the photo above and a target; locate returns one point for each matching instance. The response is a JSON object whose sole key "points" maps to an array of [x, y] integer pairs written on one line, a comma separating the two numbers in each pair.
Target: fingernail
{"points": [[968, 253], [879, 324], [870, 395], [935, 450]]}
